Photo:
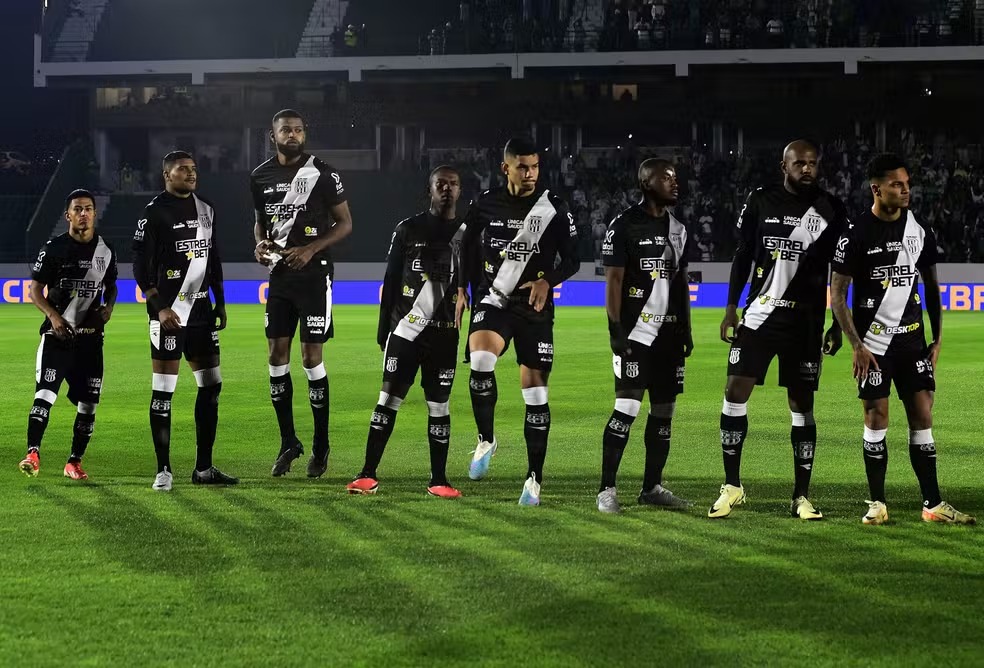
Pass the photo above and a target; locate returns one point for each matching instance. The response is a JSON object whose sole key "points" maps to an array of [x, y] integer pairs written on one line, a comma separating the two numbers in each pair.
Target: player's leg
{"points": [[49, 371], [534, 352], [280, 325], [203, 357], [84, 387], [314, 314], [803, 437], [490, 332], [437, 367], [166, 348], [665, 384], [630, 381], [873, 392]]}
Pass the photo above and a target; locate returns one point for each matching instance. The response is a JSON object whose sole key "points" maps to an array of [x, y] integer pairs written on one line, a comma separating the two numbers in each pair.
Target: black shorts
{"points": [[434, 352], [799, 351], [195, 342], [534, 336], [299, 296], [911, 372], [658, 369], [79, 361]]}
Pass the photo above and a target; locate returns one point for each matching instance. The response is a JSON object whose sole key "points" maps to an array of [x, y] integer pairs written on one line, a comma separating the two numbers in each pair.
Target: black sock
{"points": [[282, 396], [160, 427], [804, 440], [37, 422], [922, 456], [536, 431], [206, 421], [875, 466], [380, 428], [734, 429], [658, 432], [318, 396], [613, 443], [438, 438], [81, 433], [484, 394]]}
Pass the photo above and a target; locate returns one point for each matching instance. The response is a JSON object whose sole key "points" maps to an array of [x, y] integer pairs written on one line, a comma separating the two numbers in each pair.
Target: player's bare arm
{"points": [[688, 343], [618, 337], [298, 257], [863, 359], [61, 328], [934, 310], [833, 339], [263, 244]]}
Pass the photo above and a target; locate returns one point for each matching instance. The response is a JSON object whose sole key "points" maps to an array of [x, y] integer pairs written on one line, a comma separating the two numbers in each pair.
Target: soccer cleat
{"points": [[946, 514], [444, 491], [74, 471], [162, 482], [212, 476], [731, 496], [803, 509], [660, 496], [531, 492], [877, 513], [287, 455], [362, 486], [31, 464], [608, 501], [317, 465], [481, 458]]}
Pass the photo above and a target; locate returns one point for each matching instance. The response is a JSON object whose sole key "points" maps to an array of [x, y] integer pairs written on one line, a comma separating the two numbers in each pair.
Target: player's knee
{"points": [[483, 361], [535, 396], [800, 402], [438, 408], [46, 396], [627, 406], [311, 355], [663, 410], [86, 408], [390, 401], [738, 390], [876, 414]]}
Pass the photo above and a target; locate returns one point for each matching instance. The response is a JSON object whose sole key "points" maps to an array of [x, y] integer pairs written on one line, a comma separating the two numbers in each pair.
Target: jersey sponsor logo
{"points": [[141, 229], [874, 251], [408, 291], [809, 369], [281, 210], [768, 221], [193, 248], [922, 366], [182, 296], [878, 328], [49, 375], [496, 223], [782, 248], [391, 364], [445, 374], [734, 356], [315, 323], [894, 275], [268, 190], [637, 293], [645, 242], [170, 342], [544, 348], [435, 271], [653, 317], [178, 226], [513, 224], [39, 261], [894, 246], [339, 189], [80, 287], [85, 264], [95, 383], [310, 231], [657, 267], [479, 317], [632, 369], [681, 372], [173, 274], [840, 252], [791, 221], [769, 300], [608, 236], [518, 251], [867, 303], [283, 187], [874, 379]]}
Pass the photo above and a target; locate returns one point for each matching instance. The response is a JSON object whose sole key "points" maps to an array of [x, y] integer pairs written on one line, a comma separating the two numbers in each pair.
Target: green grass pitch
{"points": [[295, 572]]}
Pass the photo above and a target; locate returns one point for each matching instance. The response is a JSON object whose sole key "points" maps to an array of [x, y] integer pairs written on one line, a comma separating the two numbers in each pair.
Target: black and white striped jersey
{"points": [[654, 254], [295, 202], [420, 286], [791, 239], [514, 240], [76, 275], [175, 251], [884, 259]]}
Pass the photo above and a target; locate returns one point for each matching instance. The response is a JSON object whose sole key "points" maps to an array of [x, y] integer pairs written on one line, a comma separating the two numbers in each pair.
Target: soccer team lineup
{"points": [[476, 279]]}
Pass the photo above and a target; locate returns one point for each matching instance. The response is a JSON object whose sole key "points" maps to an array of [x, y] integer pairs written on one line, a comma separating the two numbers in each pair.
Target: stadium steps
{"points": [[316, 39], [78, 31]]}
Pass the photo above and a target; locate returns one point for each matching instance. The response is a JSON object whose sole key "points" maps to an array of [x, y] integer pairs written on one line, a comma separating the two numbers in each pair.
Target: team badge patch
{"points": [[301, 186], [49, 375], [912, 245], [814, 223], [170, 342], [391, 364], [100, 263], [734, 356], [535, 223], [631, 369], [874, 378]]}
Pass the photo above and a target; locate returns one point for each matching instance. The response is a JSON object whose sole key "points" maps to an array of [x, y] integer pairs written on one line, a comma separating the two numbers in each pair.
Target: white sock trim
{"points": [[874, 435], [628, 406], [921, 436], [734, 409], [315, 372], [802, 419], [438, 409], [208, 377], [46, 395], [279, 370], [164, 382], [664, 411], [535, 396], [389, 401], [483, 361], [86, 408]]}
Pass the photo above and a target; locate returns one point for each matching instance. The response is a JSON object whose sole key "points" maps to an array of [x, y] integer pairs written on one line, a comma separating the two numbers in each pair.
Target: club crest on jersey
{"points": [[49, 375], [300, 186], [535, 223], [911, 245], [632, 369], [170, 342], [391, 364], [874, 378], [100, 263], [813, 223], [734, 356]]}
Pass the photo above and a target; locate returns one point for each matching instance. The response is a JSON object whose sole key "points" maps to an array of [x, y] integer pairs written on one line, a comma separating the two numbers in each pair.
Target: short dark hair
{"points": [[168, 162], [650, 165], [79, 193], [518, 146], [442, 168], [285, 113], [882, 164]]}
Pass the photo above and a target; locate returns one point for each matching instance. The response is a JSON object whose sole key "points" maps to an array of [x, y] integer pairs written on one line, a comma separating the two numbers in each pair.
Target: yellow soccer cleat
{"points": [[731, 496], [946, 514], [877, 513], [803, 509]]}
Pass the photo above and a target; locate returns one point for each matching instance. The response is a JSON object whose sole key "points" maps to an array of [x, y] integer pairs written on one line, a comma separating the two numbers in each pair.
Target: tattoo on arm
{"points": [[838, 304]]}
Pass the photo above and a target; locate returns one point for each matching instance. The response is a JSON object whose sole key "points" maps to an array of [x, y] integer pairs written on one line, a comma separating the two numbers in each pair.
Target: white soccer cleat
{"points": [[877, 513], [608, 501], [803, 509], [162, 483], [481, 459], [731, 496], [946, 514], [531, 492]]}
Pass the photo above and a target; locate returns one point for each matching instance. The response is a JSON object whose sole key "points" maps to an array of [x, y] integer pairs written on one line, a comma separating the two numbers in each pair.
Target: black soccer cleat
{"points": [[287, 455], [212, 476], [317, 464]]}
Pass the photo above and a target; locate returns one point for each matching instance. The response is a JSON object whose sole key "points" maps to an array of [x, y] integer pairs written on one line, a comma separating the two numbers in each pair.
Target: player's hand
{"points": [[864, 362], [833, 340], [169, 319], [261, 252], [934, 352], [298, 257], [61, 328], [618, 339], [105, 312], [460, 304], [539, 291], [219, 313], [730, 322], [688, 344]]}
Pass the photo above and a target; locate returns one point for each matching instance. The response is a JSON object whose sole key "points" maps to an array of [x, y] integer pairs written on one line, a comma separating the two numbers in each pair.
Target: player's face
{"points": [[662, 185], [182, 177], [81, 216], [289, 135], [522, 172], [801, 168], [892, 190], [445, 188]]}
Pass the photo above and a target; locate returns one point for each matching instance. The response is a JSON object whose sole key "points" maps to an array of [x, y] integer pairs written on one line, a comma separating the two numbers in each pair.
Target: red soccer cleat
{"points": [[362, 486], [74, 471], [444, 491], [30, 464]]}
